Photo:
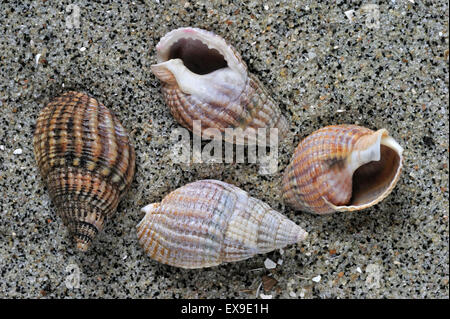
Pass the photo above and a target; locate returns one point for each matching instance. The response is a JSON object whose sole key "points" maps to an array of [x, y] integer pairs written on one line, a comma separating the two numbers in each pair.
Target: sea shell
{"points": [[209, 222], [204, 79], [85, 158], [342, 168]]}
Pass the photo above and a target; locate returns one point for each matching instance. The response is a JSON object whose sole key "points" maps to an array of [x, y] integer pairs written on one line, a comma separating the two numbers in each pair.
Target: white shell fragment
{"points": [[270, 264]]}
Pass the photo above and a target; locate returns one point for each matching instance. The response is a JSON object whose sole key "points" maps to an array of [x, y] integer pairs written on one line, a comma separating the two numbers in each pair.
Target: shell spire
{"points": [[342, 168], [205, 79], [209, 222], [85, 158]]}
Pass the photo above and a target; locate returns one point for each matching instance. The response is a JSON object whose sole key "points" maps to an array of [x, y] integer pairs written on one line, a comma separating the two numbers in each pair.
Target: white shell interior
{"points": [[375, 171], [203, 64]]}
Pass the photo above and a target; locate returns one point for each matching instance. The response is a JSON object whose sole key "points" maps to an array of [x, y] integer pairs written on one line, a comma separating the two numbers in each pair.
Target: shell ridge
{"points": [[181, 109], [98, 201], [239, 247], [65, 132], [45, 160], [199, 219], [54, 148], [170, 94], [209, 113], [263, 241], [116, 175]]}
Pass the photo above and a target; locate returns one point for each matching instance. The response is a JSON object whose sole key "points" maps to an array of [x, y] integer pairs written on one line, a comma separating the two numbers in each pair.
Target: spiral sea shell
{"points": [[86, 160], [204, 79], [209, 222], [342, 168]]}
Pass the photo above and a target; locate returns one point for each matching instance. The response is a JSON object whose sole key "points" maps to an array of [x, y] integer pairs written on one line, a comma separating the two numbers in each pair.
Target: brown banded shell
{"points": [[205, 79], [342, 168], [208, 222], [85, 158]]}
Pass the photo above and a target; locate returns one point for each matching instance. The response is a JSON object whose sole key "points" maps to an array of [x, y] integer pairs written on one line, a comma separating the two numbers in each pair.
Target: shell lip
{"points": [[383, 138], [211, 40]]}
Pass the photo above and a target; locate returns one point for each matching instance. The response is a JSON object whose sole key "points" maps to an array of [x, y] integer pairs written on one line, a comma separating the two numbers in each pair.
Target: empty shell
{"points": [[204, 79], [85, 158], [209, 222], [342, 168]]}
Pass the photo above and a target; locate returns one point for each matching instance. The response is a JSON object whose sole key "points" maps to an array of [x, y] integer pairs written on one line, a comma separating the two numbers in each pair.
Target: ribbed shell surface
{"points": [[254, 109], [208, 222], [307, 181], [85, 158]]}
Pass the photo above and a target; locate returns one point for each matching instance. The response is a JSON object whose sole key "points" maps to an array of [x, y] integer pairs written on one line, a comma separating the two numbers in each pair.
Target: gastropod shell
{"points": [[342, 168], [209, 222], [205, 79], [86, 160]]}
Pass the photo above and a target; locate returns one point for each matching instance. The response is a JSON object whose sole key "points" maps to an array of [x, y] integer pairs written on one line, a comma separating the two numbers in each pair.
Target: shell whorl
{"points": [[208, 222], [342, 168], [86, 160], [205, 79]]}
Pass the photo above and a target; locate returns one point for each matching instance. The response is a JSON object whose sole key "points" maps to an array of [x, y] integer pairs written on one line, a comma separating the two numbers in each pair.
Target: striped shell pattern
{"points": [[342, 168], [205, 79], [209, 222], [85, 158]]}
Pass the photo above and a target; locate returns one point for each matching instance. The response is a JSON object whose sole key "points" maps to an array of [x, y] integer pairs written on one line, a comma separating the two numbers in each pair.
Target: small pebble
{"points": [[350, 14], [374, 275], [263, 296], [311, 55], [82, 49], [38, 56], [17, 151], [269, 264], [359, 270], [317, 278], [2, 147], [292, 294], [268, 282]]}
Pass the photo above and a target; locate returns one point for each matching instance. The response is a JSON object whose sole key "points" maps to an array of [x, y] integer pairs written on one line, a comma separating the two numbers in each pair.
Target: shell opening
{"points": [[373, 180], [196, 56], [201, 64], [201, 51]]}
